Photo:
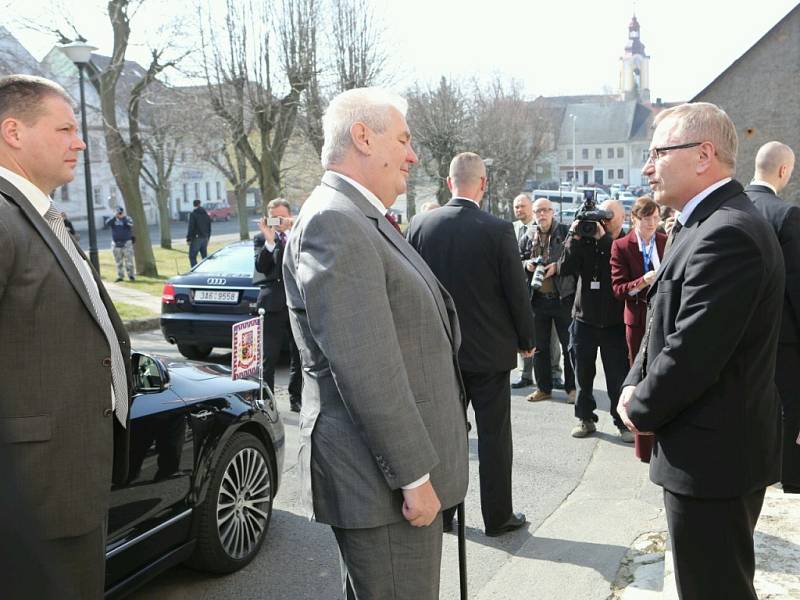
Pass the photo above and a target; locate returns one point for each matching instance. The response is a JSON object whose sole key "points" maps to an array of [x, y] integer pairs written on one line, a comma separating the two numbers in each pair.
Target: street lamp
{"points": [[574, 153], [488, 162], [79, 52]]}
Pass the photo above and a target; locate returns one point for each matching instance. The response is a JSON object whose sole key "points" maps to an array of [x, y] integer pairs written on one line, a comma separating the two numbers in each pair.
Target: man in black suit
{"points": [[774, 165], [476, 257], [198, 233], [270, 246], [704, 379]]}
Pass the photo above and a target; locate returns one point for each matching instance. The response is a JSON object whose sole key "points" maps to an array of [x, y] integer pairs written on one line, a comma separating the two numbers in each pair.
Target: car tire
{"points": [[232, 524], [193, 352]]}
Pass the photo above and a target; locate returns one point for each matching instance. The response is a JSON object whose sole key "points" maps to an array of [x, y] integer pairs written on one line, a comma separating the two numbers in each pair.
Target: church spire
{"points": [[634, 80]]}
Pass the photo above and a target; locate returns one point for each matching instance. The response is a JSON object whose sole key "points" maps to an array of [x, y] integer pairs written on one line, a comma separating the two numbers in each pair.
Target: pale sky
{"points": [[552, 48]]}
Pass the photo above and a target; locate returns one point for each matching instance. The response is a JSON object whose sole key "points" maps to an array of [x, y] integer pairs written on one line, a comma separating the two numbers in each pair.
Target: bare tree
{"points": [[126, 156], [508, 129], [359, 60], [439, 120], [242, 78]]}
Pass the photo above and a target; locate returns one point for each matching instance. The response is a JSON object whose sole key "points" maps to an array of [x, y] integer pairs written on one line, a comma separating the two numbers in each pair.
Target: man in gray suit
{"points": [[65, 356], [383, 434]]}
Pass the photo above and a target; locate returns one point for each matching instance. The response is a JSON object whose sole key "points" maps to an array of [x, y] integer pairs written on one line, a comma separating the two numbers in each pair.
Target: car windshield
{"points": [[237, 259]]}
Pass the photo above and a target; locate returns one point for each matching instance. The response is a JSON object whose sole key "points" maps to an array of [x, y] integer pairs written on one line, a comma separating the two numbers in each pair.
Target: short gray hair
{"points": [[21, 96], [370, 106], [276, 202], [704, 122]]}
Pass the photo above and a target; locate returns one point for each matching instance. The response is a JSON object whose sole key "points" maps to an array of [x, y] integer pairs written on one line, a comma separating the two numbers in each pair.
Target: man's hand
{"points": [[669, 223], [622, 407], [550, 270], [649, 277], [421, 505], [527, 353], [599, 232], [266, 230], [530, 265]]}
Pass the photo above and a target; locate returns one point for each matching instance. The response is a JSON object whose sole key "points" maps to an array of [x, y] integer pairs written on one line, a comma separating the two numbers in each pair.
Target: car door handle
{"points": [[202, 414]]}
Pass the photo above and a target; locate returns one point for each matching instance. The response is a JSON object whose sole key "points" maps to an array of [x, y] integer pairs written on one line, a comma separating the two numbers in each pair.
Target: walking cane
{"points": [[462, 553]]}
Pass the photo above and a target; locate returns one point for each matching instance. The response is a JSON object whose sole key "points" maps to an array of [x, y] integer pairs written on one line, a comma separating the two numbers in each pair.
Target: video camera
{"points": [[588, 216]]}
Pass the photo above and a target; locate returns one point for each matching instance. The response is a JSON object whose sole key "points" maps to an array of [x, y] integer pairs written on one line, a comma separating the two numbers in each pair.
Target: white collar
{"points": [[641, 241], [687, 211], [371, 198], [765, 184], [40, 201]]}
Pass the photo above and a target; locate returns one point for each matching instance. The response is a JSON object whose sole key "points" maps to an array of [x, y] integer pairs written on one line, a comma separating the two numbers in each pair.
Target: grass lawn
{"points": [[129, 312], [169, 263]]}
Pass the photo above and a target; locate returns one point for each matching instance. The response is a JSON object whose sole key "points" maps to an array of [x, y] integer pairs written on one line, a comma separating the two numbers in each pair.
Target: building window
{"points": [[645, 155], [610, 153], [183, 156], [208, 191], [96, 191], [219, 190], [620, 174], [598, 153], [65, 192], [569, 154], [611, 173], [585, 153], [112, 196], [620, 152], [185, 193], [197, 190]]}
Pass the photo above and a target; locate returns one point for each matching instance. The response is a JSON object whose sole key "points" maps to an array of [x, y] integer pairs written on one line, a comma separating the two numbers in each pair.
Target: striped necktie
{"points": [[119, 381], [393, 221], [676, 228]]}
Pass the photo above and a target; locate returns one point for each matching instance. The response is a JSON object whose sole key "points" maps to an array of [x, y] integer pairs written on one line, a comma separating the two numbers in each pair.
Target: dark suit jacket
{"points": [[706, 379], [272, 297], [476, 257], [55, 376], [627, 270], [785, 220]]}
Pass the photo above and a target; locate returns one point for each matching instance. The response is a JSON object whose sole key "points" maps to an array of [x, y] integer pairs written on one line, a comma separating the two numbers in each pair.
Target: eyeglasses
{"points": [[541, 211], [657, 153]]}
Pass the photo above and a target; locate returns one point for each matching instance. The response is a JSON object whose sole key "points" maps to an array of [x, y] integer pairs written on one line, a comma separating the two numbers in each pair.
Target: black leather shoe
{"points": [[447, 526], [791, 489], [522, 383], [558, 383], [295, 405], [515, 521]]}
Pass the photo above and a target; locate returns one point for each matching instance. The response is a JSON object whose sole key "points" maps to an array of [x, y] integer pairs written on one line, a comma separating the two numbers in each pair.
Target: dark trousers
{"points": [[276, 331], [712, 545], [80, 563], [197, 245], [549, 312], [391, 562], [786, 369], [490, 394], [584, 342]]}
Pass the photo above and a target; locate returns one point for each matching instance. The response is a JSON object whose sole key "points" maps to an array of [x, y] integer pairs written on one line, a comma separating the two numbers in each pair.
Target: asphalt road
{"points": [[299, 559]]}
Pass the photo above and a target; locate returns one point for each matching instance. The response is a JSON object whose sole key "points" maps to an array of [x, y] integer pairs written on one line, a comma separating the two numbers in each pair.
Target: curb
{"points": [[138, 325]]}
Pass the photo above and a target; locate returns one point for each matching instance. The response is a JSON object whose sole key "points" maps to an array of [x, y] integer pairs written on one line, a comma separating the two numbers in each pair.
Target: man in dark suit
{"points": [[270, 246], [383, 436], [774, 166], [703, 381], [198, 233], [476, 257], [65, 355]]}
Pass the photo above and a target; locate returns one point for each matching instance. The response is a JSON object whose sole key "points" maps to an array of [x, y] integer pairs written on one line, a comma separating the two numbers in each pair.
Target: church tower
{"points": [[634, 73]]}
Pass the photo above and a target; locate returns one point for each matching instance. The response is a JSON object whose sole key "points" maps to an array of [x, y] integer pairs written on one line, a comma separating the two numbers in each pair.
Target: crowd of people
{"points": [[394, 336]]}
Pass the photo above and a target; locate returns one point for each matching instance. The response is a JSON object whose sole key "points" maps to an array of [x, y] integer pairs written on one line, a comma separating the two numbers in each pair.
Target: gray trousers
{"points": [[555, 359], [80, 564], [391, 562], [124, 259]]}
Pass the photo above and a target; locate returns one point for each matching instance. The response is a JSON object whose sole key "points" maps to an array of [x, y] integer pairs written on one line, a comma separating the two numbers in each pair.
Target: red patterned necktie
{"points": [[393, 221]]}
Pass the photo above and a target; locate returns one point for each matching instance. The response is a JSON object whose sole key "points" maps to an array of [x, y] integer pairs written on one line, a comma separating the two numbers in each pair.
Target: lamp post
{"points": [[79, 52], [574, 153], [488, 162]]}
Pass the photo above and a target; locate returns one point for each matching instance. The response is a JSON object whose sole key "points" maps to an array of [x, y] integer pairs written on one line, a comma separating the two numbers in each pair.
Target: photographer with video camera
{"points": [[552, 296], [597, 314]]}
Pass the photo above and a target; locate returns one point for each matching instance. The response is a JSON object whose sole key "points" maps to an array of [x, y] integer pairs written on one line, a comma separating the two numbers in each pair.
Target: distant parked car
{"points": [[198, 308], [205, 462], [218, 211]]}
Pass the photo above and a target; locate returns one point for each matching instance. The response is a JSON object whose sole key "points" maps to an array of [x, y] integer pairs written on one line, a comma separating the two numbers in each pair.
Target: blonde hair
{"points": [[704, 122]]}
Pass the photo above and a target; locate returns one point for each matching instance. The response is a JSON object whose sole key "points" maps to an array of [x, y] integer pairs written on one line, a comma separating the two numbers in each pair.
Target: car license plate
{"points": [[215, 296]]}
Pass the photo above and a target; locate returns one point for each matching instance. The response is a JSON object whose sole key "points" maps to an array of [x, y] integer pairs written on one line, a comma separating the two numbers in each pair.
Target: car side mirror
{"points": [[150, 375]]}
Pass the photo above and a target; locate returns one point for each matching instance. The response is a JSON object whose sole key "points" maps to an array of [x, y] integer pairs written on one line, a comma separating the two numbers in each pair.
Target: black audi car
{"points": [[206, 456], [198, 308]]}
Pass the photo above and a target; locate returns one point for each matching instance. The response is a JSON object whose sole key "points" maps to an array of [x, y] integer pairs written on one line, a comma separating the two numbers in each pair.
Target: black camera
{"points": [[588, 216]]}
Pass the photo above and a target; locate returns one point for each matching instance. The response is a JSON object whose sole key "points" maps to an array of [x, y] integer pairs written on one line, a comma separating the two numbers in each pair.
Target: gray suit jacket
{"points": [[55, 377], [378, 336]]}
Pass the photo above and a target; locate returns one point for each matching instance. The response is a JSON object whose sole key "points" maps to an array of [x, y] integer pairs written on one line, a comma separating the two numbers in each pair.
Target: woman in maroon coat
{"points": [[635, 259]]}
